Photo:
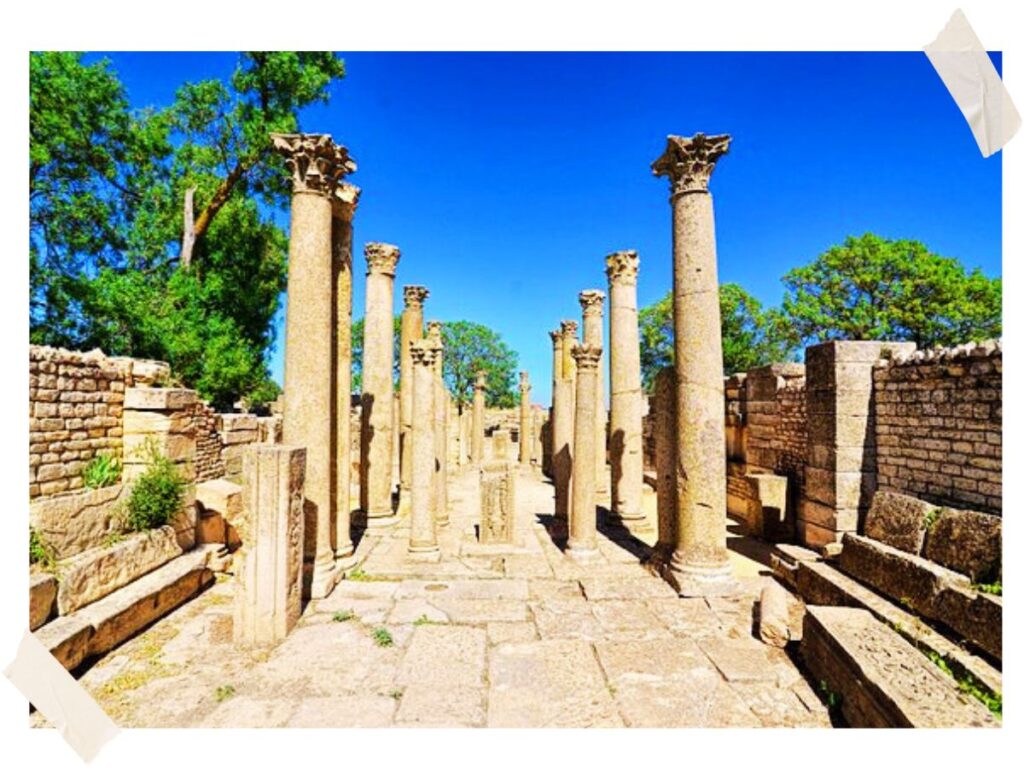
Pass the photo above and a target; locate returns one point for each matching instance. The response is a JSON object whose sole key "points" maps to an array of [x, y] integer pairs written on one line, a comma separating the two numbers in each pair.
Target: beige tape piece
{"points": [[64, 702], [961, 61]]}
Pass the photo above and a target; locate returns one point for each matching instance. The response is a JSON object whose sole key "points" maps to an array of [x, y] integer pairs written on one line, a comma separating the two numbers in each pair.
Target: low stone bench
{"points": [[881, 679]]}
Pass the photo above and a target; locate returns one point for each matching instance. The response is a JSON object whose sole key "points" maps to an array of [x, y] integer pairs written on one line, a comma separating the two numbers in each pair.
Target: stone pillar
{"points": [[525, 420], [592, 302], [664, 413], [498, 504], [569, 342], [627, 400], [440, 427], [378, 385], [396, 446], [412, 330], [345, 201], [422, 529], [317, 165], [479, 402], [465, 429], [537, 421], [700, 559], [550, 448], [268, 588], [583, 518]]}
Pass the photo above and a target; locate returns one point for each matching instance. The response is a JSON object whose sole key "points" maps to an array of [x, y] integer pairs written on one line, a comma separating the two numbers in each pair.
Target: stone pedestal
{"points": [[411, 330], [440, 427], [627, 404], [479, 403], [497, 503], [501, 445], [592, 302], [700, 559], [525, 420], [317, 165], [583, 517], [664, 412], [422, 528], [378, 385], [268, 587]]}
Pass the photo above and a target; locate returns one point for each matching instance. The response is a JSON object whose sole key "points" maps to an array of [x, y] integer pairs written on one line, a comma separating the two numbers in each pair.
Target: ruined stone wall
{"points": [[938, 424], [75, 406], [209, 465]]}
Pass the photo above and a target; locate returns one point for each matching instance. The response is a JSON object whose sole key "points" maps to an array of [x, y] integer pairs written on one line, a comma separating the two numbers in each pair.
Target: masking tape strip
{"points": [[64, 702], [961, 61]]}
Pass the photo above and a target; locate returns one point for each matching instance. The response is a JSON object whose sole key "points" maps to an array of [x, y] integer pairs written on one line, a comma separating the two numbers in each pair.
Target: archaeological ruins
{"points": [[801, 545]]}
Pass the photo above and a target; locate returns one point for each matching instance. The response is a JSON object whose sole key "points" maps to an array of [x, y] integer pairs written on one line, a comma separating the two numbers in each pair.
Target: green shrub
{"points": [[156, 495], [101, 471], [39, 551]]}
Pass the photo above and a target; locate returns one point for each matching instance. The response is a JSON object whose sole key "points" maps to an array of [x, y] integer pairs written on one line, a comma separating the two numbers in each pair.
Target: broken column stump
{"points": [[497, 503]]}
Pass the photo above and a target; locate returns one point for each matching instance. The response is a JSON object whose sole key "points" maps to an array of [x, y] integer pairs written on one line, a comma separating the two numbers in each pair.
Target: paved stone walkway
{"points": [[520, 638]]}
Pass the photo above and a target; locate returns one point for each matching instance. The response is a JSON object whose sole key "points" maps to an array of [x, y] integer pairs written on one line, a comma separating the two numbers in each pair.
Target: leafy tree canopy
{"points": [[751, 336], [873, 288], [150, 230]]}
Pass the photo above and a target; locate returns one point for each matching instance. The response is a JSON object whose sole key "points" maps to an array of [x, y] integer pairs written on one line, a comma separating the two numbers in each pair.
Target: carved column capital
{"points": [[689, 162], [622, 267], [524, 381], [569, 329], [587, 356], [592, 301], [381, 258], [316, 163], [481, 381], [423, 352], [345, 201], [556, 336], [414, 296], [434, 333]]}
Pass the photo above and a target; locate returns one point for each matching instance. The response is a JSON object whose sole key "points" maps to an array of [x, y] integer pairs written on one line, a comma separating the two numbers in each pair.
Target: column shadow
{"points": [[609, 526]]}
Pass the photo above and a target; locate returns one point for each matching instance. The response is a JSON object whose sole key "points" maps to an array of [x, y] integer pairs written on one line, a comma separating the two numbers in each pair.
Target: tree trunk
{"points": [[188, 238]]}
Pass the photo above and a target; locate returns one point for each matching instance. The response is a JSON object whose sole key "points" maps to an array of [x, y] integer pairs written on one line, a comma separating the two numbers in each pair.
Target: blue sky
{"points": [[505, 179]]}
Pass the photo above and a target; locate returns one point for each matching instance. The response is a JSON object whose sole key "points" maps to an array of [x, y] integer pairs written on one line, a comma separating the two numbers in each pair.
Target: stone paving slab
{"points": [[358, 710], [702, 700], [644, 587], [441, 706], [444, 656], [507, 589], [650, 660]]}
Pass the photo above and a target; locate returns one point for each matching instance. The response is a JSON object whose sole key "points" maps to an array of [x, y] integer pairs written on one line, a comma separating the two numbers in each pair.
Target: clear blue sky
{"points": [[506, 178]]}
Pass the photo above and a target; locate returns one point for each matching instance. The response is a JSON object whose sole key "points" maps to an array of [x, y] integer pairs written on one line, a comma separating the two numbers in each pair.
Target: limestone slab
{"points": [[496, 589], [444, 656], [158, 399], [605, 588], [968, 542], [741, 660], [689, 617], [441, 706], [779, 707], [247, 712], [356, 710], [561, 619], [650, 660], [74, 522], [898, 520], [626, 618], [480, 611], [701, 700], [510, 632]]}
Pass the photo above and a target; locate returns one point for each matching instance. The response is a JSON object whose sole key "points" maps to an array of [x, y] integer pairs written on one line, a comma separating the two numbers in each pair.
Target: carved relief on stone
{"points": [[592, 301], [688, 162], [414, 296], [316, 163], [622, 267], [381, 258], [497, 502]]}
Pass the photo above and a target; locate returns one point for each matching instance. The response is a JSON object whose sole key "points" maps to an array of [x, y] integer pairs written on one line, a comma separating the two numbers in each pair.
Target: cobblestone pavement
{"points": [[520, 637]]}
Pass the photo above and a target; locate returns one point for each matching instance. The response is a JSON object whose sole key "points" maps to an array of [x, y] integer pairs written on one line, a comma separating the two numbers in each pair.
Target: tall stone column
{"points": [[440, 426], [664, 413], [479, 403], [317, 165], [592, 302], [345, 201], [626, 440], [422, 529], [378, 384], [525, 420], [700, 559], [411, 330], [465, 428], [583, 518], [569, 342], [550, 448]]}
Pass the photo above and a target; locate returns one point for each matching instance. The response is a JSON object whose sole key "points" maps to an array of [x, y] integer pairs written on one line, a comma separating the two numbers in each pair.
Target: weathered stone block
{"points": [[268, 590], [882, 679], [42, 598], [975, 616], [158, 422], [827, 516], [968, 542], [220, 496], [898, 520], [841, 459], [178, 447], [780, 615], [497, 503], [158, 399], [67, 638], [848, 490], [234, 422], [768, 512], [98, 572], [75, 522]]}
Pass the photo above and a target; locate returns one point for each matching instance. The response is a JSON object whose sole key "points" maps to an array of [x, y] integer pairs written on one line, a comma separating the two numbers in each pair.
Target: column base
{"points": [[381, 521], [344, 551], [346, 563], [325, 576], [632, 523], [432, 555], [702, 581], [582, 554]]}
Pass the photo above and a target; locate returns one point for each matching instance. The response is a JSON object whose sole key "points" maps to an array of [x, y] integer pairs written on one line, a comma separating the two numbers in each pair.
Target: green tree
{"points": [[471, 347], [874, 288], [357, 353], [751, 336], [150, 230]]}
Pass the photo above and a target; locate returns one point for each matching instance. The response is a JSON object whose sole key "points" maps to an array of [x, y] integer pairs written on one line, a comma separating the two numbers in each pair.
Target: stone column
{"points": [[412, 330], [422, 530], [464, 436], [550, 448], [378, 384], [317, 165], [565, 429], [583, 518], [664, 413], [700, 559], [569, 342], [440, 427], [525, 420], [479, 402], [627, 400], [345, 201], [592, 302], [268, 588]]}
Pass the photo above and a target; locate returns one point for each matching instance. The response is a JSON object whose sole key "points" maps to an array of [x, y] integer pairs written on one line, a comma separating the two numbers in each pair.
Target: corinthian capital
{"points": [[481, 380], [688, 162], [622, 267], [587, 356], [346, 198], [569, 329], [591, 300], [414, 296], [317, 164], [381, 258], [423, 352], [556, 336], [434, 333], [524, 381]]}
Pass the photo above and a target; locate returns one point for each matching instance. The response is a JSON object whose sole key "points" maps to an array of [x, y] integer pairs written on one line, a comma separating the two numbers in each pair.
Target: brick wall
{"points": [[939, 425], [209, 465]]}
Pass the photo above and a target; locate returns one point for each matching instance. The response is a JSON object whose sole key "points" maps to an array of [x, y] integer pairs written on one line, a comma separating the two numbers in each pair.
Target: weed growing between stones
{"points": [[224, 692], [992, 700], [40, 552], [382, 637], [101, 471], [342, 616]]}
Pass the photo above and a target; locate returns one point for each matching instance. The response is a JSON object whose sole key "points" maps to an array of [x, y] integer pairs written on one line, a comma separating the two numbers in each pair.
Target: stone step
{"points": [[785, 559], [881, 680], [819, 583], [927, 589], [111, 620]]}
